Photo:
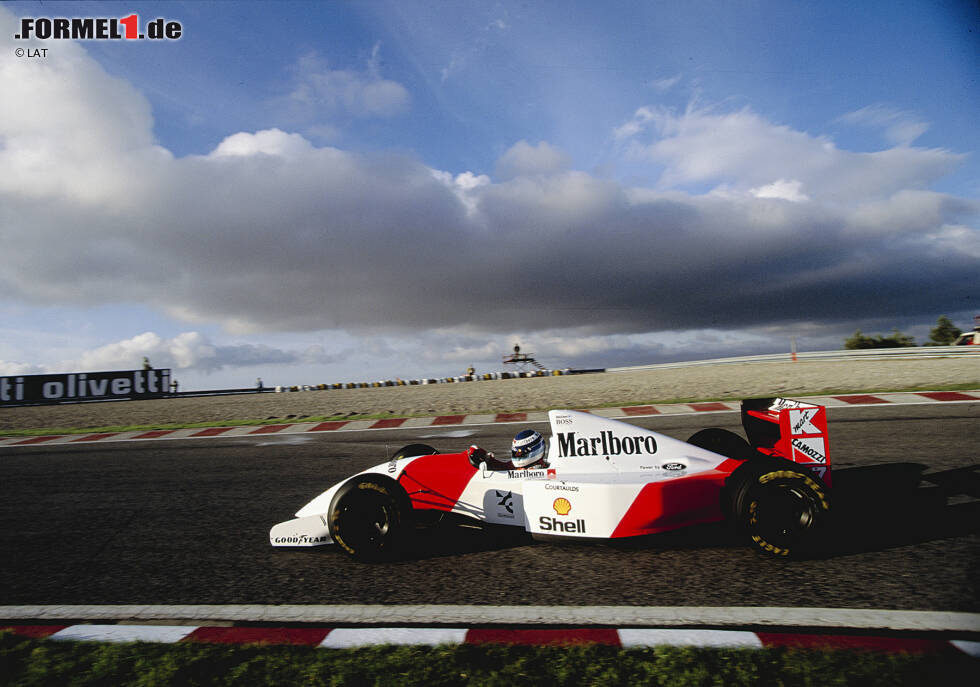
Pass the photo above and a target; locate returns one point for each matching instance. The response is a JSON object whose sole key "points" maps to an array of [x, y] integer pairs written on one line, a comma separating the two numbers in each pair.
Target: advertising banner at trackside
{"points": [[83, 386]]}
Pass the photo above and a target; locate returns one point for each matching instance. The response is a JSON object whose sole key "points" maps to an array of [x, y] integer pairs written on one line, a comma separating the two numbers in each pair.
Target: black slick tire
{"points": [[369, 518], [722, 442], [780, 509], [413, 450]]}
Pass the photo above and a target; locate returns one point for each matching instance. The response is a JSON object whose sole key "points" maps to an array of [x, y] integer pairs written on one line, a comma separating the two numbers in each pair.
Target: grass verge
{"points": [[27, 662]]}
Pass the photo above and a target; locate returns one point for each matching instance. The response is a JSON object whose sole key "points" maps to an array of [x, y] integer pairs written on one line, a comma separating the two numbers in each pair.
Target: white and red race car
{"points": [[604, 479]]}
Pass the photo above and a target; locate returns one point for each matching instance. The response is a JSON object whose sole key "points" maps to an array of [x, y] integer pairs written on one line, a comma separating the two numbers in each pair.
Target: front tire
{"points": [[369, 518], [413, 450], [779, 508]]}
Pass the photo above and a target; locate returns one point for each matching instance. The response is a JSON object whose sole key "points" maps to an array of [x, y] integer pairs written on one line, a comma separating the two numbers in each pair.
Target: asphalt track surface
{"points": [[186, 522]]}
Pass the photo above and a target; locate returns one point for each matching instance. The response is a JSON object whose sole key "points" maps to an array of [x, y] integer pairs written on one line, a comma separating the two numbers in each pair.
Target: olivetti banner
{"points": [[83, 386]]}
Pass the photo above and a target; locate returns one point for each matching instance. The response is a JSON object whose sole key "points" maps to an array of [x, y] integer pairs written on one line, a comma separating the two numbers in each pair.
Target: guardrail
{"points": [[544, 372], [909, 353]]}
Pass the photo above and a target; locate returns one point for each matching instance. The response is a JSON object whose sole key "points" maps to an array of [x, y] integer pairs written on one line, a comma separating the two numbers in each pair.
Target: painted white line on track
{"points": [[466, 615], [449, 434], [286, 440]]}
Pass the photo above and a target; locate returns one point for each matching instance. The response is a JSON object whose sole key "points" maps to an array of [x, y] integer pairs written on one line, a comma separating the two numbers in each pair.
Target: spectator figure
{"points": [[470, 371], [146, 363], [173, 386], [258, 384]]}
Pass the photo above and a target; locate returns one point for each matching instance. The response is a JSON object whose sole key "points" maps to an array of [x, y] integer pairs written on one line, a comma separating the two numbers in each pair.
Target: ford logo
{"points": [[674, 466]]}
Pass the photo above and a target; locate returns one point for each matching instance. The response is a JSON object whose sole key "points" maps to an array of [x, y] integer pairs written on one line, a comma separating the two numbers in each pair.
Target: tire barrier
{"points": [[457, 379]]}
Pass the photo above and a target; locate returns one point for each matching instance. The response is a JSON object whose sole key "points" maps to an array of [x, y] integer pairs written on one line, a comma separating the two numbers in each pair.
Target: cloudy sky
{"points": [[348, 191]]}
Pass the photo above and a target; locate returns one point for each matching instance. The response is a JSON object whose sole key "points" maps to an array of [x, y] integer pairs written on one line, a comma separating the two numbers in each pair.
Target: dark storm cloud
{"points": [[321, 238], [269, 233]]}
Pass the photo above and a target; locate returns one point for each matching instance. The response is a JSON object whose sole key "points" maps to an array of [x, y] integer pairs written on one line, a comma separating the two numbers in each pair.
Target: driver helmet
{"points": [[528, 448]]}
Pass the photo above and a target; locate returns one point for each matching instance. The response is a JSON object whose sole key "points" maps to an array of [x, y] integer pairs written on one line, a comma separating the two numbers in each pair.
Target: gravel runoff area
{"points": [[729, 381]]}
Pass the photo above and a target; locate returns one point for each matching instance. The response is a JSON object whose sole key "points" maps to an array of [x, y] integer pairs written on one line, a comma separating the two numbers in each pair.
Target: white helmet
{"points": [[528, 448]]}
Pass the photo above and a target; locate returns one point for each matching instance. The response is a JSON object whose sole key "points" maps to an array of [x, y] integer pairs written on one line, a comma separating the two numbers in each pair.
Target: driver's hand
{"points": [[478, 455]]}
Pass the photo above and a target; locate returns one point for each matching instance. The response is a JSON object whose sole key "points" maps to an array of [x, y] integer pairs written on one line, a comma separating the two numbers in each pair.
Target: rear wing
{"points": [[794, 430]]}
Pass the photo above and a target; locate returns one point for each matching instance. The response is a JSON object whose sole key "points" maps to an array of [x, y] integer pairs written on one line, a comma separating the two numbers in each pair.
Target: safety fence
{"points": [[860, 354], [440, 380]]}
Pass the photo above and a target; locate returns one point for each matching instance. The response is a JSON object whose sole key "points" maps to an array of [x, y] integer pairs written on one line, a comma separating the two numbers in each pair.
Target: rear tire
{"points": [[722, 442], [369, 518], [779, 508]]}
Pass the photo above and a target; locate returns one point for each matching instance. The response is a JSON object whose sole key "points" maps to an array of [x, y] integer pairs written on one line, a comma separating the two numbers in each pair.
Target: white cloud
{"points": [[92, 147], [742, 150], [782, 189], [190, 349], [470, 351], [664, 85], [125, 355], [465, 186], [9, 369], [899, 128], [469, 43], [268, 142], [319, 90], [524, 159], [186, 352], [469, 181], [641, 119]]}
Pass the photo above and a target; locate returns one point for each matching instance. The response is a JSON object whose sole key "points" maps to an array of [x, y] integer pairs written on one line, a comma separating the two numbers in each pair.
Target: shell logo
{"points": [[562, 506]]}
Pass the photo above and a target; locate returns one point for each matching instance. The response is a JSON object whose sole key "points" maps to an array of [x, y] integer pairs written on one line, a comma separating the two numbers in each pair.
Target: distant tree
{"points": [[896, 340], [944, 333], [858, 340]]}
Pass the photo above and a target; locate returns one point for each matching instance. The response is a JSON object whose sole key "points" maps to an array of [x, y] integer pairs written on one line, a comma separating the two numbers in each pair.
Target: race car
{"points": [[602, 479]]}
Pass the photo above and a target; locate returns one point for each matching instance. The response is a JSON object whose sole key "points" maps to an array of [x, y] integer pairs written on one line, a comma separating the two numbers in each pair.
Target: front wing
{"points": [[311, 530]]}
